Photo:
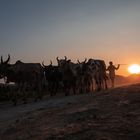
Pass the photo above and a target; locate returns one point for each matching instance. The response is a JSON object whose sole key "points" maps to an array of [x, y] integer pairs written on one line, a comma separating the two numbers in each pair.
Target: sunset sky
{"points": [[37, 30]]}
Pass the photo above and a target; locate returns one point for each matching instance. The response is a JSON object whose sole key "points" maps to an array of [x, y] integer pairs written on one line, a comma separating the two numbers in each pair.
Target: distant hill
{"points": [[134, 78], [123, 80], [119, 80], [131, 79]]}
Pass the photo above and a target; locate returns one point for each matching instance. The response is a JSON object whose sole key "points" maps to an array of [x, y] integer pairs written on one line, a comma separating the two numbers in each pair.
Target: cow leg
{"points": [[74, 90], [66, 88], [56, 87], [24, 98], [38, 91], [106, 87], [15, 96], [98, 85], [51, 88]]}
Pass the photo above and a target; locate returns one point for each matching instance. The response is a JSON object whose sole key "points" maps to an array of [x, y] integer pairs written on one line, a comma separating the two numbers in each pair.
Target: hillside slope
{"points": [[108, 115]]}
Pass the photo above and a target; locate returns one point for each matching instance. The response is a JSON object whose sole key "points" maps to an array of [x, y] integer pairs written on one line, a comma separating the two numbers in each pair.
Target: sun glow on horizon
{"points": [[134, 69]]}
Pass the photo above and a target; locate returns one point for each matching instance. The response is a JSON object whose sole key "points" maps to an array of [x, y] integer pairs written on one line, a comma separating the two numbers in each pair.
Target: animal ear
{"points": [[1, 60], [65, 58], [8, 59], [57, 58]]}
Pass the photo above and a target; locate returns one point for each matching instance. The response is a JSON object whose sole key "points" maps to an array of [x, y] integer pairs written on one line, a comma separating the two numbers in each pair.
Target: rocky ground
{"points": [[113, 114]]}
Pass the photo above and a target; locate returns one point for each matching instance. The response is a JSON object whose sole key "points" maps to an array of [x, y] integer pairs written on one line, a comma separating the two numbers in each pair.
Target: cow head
{"points": [[61, 62], [80, 66], [82, 63], [45, 66]]}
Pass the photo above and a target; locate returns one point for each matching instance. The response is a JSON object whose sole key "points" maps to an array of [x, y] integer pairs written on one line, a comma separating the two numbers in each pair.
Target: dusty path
{"points": [[10, 113], [107, 115]]}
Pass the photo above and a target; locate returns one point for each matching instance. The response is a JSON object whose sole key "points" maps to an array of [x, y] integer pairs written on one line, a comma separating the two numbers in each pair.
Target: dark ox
{"points": [[85, 73], [53, 77], [69, 74], [74, 77], [24, 75]]}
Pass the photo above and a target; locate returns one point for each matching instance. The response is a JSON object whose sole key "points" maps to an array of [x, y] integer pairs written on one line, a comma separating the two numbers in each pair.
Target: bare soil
{"points": [[113, 114]]}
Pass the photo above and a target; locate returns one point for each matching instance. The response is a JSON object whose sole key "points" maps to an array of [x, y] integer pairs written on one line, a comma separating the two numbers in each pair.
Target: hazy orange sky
{"points": [[37, 30]]}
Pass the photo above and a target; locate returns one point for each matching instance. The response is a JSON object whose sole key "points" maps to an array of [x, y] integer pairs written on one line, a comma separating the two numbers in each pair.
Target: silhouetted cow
{"points": [[53, 76], [24, 75], [99, 73], [69, 73]]}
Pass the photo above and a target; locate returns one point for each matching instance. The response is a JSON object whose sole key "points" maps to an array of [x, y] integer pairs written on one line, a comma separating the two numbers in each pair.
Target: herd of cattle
{"points": [[69, 77]]}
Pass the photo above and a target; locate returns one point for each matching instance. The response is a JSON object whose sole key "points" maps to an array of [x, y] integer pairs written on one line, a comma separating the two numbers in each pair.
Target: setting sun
{"points": [[134, 69]]}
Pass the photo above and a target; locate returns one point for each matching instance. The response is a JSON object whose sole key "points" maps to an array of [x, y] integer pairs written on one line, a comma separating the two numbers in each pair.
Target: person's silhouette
{"points": [[111, 68]]}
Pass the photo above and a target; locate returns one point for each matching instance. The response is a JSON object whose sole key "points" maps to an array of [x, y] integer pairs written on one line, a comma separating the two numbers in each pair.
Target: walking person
{"points": [[111, 68]]}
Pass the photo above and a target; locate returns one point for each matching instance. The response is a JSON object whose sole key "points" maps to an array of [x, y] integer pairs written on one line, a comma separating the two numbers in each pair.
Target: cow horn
{"points": [[7, 59], [1, 60], [57, 58], [43, 64], [85, 60], [65, 57], [78, 61], [50, 62]]}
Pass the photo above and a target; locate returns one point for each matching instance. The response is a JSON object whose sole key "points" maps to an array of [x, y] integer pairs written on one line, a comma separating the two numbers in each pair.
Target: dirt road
{"points": [[108, 115]]}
